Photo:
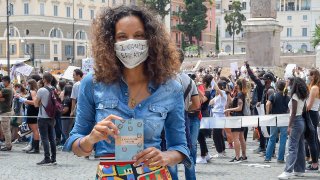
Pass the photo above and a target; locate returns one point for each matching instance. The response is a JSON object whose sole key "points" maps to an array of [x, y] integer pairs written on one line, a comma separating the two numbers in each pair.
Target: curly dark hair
{"points": [[206, 80], [299, 87], [163, 60]]}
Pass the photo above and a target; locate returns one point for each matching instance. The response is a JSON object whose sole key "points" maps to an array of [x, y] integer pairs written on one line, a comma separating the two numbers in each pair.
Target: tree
{"points": [[316, 36], [234, 21], [217, 40], [160, 6], [194, 20]]}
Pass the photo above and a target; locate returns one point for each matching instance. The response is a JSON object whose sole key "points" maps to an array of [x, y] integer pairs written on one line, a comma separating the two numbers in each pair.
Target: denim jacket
{"points": [[164, 108]]}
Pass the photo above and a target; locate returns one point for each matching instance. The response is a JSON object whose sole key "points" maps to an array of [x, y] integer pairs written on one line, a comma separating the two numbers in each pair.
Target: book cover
{"points": [[130, 140]]}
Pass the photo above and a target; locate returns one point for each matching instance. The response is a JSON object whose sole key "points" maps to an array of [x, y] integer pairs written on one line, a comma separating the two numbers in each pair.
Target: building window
{"points": [[13, 49], [103, 1], [91, 14], [42, 49], [80, 50], [42, 9], [289, 18], [305, 17], [290, 5], [243, 50], [55, 49], [55, 10], [26, 49], [68, 9], [11, 9], [210, 26], [69, 35], [55, 33], [81, 35], [304, 47], [305, 4], [113, 2], [227, 49], [12, 32], [289, 47], [218, 6], [304, 32], [26, 8], [289, 32], [244, 5], [80, 13], [124, 2], [68, 50], [0, 49]]}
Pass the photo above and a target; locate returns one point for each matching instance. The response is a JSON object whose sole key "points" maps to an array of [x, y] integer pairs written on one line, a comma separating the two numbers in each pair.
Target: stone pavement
{"points": [[19, 165]]}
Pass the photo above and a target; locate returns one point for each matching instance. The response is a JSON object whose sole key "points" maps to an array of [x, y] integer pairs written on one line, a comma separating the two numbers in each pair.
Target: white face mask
{"points": [[132, 52]]}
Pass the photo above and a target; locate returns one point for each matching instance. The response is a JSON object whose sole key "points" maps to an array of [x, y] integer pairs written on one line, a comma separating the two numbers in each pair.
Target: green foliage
{"points": [[234, 20], [316, 36], [217, 39], [160, 6], [194, 19]]}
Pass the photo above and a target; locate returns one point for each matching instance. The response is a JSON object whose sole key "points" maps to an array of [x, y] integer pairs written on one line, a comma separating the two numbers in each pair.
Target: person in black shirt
{"points": [[277, 104], [67, 123]]}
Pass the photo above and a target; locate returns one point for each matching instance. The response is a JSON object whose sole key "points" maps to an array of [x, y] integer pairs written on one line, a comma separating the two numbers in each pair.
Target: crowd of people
{"points": [[26, 103], [242, 95], [137, 76]]}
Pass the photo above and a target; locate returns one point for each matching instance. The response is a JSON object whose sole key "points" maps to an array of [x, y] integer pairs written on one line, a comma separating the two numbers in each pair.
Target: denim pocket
{"points": [[154, 121]]}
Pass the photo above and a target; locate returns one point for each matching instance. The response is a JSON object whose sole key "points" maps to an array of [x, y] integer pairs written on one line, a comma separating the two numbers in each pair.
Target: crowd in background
{"points": [[24, 104]]}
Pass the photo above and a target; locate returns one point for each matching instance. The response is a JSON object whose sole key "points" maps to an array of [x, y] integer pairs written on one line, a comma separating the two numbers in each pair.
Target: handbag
{"points": [[309, 127], [24, 129]]}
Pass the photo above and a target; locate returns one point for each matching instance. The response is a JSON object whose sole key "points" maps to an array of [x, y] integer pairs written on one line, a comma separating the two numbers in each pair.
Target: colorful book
{"points": [[130, 140]]}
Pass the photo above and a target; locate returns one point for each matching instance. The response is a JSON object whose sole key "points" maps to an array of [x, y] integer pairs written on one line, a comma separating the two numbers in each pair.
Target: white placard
{"points": [[232, 122], [23, 69], [265, 132], [267, 120], [260, 110], [233, 68], [87, 65], [283, 120], [68, 74], [212, 123], [250, 121], [288, 70]]}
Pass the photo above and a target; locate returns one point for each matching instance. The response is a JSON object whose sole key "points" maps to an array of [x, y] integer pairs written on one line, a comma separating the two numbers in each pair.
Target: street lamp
{"points": [[8, 36]]}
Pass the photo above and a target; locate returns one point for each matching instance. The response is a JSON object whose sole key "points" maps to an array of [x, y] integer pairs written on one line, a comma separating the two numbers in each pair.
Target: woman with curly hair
{"points": [[295, 162], [313, 108], [135, 67]]}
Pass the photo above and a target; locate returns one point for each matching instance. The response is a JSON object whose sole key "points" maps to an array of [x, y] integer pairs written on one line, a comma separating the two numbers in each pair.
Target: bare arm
{"points": [[313, 94], [268, 107], [293, 112], [37, 102], [238, 108], [195, 103], [73, 105], [34, 97]]}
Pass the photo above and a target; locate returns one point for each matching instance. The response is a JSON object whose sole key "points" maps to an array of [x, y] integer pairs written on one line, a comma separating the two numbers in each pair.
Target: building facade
{"points": [[55, 30], [207, 41], [298, 18]]}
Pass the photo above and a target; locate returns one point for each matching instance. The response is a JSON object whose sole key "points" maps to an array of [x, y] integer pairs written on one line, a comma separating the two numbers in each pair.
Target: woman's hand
{"points": [[289, 130], [226, 110], [152, 157], [104, 129]]}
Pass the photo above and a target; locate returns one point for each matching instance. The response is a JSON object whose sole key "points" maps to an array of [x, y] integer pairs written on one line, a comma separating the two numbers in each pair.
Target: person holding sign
{"points": [[135, 65]]}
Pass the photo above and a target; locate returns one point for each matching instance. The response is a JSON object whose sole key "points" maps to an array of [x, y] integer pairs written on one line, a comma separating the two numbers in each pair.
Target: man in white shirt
{"points": [[77, 77]]}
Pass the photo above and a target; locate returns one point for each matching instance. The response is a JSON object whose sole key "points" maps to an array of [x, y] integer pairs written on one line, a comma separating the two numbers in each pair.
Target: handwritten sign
{"points": [[87, 65]]}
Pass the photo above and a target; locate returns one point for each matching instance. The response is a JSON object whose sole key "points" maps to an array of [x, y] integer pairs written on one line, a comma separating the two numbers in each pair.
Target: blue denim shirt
{"points": [[164, 108]]}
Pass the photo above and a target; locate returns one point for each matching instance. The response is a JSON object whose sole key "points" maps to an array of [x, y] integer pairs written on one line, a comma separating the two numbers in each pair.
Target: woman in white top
{"points": [[219, 103], [295, 162], [313, 108]]}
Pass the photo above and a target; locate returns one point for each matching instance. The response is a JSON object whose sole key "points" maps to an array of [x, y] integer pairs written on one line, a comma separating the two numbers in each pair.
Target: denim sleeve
{"points": [[85, 119], [175, 129]]}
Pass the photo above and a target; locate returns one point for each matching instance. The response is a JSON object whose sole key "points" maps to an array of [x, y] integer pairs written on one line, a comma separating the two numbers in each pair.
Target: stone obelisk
{"points": [[262, 32]]}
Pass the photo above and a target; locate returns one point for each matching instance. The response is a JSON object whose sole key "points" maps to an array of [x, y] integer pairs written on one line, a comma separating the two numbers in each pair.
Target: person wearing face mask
{"points": [[134, 78], [263, 89]]}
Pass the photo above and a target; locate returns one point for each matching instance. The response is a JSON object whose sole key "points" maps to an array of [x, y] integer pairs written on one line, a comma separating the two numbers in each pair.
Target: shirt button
{"points": [[139, 105], [126, 94]]}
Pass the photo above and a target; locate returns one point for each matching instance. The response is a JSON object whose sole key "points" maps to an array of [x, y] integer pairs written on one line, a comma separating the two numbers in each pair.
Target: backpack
{"points": [[54, 106]]}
